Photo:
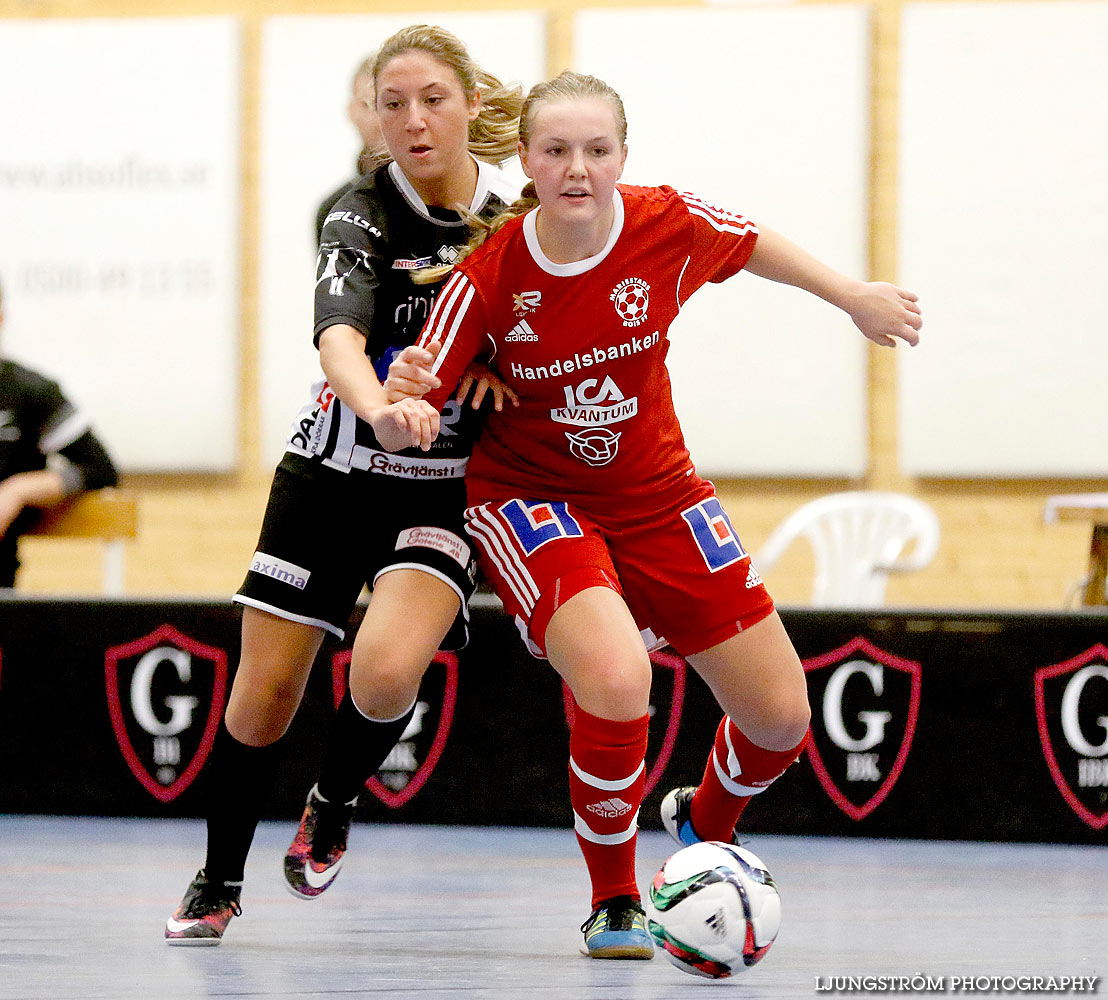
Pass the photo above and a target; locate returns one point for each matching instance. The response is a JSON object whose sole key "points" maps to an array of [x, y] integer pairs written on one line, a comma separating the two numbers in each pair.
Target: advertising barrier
{"points": [[929, 724]]}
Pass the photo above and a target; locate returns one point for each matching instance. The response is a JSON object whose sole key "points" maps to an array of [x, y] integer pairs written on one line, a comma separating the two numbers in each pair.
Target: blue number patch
{"points": [[714, 535], [536, 522]]}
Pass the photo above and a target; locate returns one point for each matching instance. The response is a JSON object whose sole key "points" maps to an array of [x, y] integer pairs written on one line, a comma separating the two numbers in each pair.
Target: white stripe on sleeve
{"points": [[458, 312], [442, 303]]}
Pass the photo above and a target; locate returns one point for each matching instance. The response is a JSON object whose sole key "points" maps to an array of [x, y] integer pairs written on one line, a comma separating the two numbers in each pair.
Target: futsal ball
{"points": [[714, 909]]}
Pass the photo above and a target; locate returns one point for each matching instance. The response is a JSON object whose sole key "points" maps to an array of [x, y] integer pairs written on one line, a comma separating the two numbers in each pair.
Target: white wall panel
{"points": [[309, 147], [1004, 234], [119, 194], [764, 112]]}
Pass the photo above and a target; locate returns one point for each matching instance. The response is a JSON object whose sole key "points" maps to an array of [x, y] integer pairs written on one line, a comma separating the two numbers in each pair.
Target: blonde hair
{"points": [[494, 132], [567, 85]]}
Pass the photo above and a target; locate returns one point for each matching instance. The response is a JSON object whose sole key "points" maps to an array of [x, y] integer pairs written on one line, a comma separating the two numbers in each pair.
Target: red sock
{"points": [[607, 774], [736, 771]]}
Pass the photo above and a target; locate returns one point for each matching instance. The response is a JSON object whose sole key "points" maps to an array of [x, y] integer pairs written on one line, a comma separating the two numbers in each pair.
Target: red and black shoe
{"points": [[204, 913], [315, 855]]}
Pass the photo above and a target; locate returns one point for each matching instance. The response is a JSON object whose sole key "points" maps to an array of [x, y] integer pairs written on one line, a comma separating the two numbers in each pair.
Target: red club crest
{"points": [[667, 686], [165, 697], [865, 705], [414, 757], [1071, 705]]}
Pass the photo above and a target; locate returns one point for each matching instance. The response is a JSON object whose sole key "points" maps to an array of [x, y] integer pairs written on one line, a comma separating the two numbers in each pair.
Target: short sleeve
{"points": [[720, 243], [347, 268]]}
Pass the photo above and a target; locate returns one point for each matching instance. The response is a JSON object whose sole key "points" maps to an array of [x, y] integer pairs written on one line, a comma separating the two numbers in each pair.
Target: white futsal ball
{"points": [[714, 909]]}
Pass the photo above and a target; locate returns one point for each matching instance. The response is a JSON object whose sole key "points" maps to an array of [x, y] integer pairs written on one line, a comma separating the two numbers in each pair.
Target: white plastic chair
{"points": [[858, 539]]}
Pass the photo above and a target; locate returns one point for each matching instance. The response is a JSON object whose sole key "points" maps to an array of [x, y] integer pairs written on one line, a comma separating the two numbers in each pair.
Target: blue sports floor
{"points": [[443, 912]]}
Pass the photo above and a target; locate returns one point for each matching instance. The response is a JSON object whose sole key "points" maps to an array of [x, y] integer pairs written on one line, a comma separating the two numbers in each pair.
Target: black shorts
{"points": [[327, 533]]}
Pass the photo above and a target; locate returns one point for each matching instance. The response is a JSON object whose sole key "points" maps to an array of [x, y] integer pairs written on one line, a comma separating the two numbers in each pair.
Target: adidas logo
{"points": [[753, 578], [717, 923], [521, 331], [609, 808]]}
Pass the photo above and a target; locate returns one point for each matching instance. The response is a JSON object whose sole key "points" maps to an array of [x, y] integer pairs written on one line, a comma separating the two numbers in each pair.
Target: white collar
{"points": [[480, 194], [577, 266]]}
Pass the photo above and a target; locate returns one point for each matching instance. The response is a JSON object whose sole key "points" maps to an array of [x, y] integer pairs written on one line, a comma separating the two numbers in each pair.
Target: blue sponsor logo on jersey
{"points": [[536, 522], [714, 534]]}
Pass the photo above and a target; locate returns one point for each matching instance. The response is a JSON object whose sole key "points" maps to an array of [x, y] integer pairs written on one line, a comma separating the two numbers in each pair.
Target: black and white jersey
{"points": [[377, 234], [35, 420], [37, 423]]}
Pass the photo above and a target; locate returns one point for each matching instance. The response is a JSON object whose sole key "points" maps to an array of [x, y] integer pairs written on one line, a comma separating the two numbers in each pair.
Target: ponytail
{"points": [[481, 230]]}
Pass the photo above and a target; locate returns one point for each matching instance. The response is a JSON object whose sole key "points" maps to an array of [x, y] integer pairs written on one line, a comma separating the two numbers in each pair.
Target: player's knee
{"points": [[795, 724], [616, 686], [259, 714], [384, 700], [785, 721], [384, 681]]}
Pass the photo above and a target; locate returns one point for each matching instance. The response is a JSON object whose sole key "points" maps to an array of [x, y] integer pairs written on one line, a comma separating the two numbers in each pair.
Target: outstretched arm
{"points": [[405, 424], [883, 312]]}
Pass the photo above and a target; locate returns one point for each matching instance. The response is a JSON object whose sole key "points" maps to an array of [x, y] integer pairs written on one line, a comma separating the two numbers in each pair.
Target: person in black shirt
{"points": [[349, 460], [48, 454], [363, 116]]}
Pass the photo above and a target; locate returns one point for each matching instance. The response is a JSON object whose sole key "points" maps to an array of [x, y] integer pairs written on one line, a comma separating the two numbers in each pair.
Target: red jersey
{"points": [[584, 345]]}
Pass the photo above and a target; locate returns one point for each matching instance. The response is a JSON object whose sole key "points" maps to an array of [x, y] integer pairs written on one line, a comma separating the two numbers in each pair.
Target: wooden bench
{"points": [[109, 514]]}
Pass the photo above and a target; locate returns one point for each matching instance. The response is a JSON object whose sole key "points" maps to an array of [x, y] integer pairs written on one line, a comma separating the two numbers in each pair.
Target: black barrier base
{"points": [[925, 724]]}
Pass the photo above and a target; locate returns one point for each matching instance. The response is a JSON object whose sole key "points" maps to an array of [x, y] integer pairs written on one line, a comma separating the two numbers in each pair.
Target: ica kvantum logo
{"points": [[165, 697], [1071, 705], [865, 703]]}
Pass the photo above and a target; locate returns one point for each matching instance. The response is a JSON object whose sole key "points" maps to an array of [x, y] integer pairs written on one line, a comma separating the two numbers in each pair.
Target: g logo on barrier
{"points": [[833, 721], [1071, 707], [861, 701], [410, 763], [165, 698], [181, 706]]}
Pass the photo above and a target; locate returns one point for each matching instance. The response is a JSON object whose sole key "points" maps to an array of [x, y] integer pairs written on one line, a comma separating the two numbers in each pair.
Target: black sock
{"points": [[359, 746], [238, 787]]}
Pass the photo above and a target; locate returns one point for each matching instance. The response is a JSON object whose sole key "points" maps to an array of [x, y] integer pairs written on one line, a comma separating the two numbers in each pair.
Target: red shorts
{"points": [[686, 578]]}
